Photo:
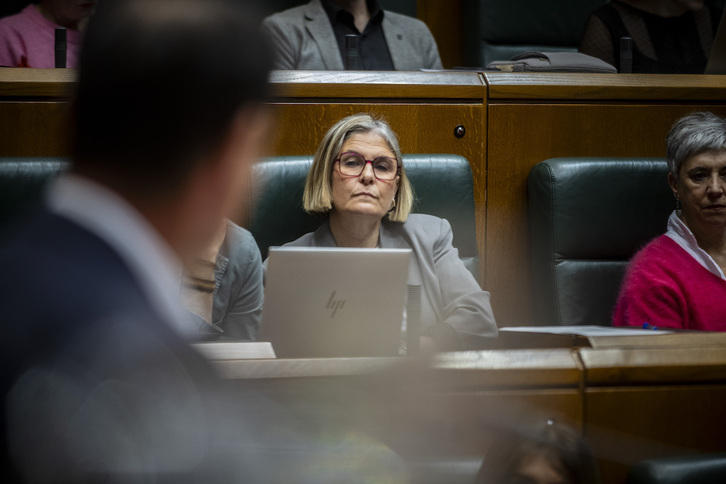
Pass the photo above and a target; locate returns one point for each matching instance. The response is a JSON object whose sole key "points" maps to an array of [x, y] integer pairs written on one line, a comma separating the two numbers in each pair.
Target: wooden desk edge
{"points": [[489, 368], [37, 82], [578, 87]]}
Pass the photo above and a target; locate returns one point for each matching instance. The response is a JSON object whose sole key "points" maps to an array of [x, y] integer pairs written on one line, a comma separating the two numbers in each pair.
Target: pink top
{"points": [[27, 39], [666, 287]]}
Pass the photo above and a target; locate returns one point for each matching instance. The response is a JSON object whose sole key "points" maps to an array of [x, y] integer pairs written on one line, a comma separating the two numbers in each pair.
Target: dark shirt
{"points": [[373, 51]]}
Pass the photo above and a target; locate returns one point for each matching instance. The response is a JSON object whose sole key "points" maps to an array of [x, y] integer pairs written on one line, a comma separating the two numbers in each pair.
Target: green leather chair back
{"points": [[22, 181], [587, 217], [691, 469], [443, 186], [501, 29]]}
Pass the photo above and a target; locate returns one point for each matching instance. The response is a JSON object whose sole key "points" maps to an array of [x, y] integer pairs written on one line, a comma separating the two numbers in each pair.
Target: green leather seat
{"points": [[691, 469], [22, 180], [587, 217]]}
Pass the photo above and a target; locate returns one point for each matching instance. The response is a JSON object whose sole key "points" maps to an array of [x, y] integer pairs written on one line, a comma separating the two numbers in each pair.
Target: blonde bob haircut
{"points": [[317, 197]]}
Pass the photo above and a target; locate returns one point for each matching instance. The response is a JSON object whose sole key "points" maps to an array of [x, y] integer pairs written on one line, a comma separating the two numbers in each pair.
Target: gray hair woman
{"points": [[678, 279], [359, 184]]}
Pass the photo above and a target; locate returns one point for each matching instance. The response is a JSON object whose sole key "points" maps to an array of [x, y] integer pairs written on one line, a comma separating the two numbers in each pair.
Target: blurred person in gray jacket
{"points": [[312, 37]]}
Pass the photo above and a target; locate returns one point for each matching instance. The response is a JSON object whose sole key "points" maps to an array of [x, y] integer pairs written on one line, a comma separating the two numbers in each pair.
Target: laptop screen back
{"points": [[334, 302]]}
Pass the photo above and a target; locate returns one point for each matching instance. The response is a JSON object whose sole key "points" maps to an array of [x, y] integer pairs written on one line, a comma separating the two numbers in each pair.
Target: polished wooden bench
{"points": [[632, 397]]}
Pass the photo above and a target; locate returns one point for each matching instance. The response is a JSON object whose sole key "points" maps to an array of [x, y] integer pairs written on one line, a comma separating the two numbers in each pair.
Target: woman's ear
{"points": [[673, 183]]}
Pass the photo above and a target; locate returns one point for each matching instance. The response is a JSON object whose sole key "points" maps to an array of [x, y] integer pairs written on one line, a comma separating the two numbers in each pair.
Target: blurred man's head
{"points": [[168, 92]]}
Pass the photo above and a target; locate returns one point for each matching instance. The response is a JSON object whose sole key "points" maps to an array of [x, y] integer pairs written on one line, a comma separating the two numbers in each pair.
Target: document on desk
{"points": [[228, 350], [588, 331]]}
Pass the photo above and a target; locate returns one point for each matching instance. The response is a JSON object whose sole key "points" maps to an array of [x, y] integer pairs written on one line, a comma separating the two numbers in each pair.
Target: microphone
{"points": [[351, 52], [626, 55], [60, 47]]}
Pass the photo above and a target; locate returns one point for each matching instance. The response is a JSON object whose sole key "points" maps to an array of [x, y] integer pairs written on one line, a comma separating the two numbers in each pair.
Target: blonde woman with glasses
{"points": [[358, 184]]}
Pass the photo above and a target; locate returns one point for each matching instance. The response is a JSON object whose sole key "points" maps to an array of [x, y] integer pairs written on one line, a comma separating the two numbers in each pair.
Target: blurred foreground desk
{"points": [[642, 402], [632, 401], [645, 393], [445, 411]]}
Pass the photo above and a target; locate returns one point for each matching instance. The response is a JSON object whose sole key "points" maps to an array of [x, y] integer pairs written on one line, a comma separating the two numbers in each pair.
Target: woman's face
{"points": [[364, 195], [701, 189]]}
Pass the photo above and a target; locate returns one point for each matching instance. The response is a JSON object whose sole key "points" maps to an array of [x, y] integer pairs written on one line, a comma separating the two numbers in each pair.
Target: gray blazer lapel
{"points": [[318, 26], [399, 49], [394, 239]]}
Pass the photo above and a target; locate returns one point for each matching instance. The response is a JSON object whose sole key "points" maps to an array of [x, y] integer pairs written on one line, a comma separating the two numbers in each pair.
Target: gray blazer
{"points": [[450, 296], [303, 39], [238, 290]]}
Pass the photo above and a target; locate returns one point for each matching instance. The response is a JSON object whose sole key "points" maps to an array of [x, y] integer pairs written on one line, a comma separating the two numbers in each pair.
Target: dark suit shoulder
{"points": [[59, 276]]}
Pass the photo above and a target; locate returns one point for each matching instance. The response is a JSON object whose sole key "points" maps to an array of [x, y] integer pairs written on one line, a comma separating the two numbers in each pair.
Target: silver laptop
{"points": [[334, 302]]}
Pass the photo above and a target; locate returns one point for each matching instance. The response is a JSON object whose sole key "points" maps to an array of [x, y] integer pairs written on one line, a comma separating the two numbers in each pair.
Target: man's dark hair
{"points": [[160, 81]]}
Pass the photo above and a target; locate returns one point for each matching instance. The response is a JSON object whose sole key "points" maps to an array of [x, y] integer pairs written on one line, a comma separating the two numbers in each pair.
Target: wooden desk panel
{"points": [[422, 108], [647, 365], [454, 405], [627, 425], [421, 128], [32, 128], [653, 402], [34, 111], [469, 423]]}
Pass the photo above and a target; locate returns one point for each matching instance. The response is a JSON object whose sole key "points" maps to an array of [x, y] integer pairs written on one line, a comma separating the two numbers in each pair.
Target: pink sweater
{"points": [[27, 39], [666, 287]]}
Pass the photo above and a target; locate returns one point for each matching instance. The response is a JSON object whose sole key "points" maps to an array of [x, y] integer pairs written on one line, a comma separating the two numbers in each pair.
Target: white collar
{"points": [[682, 235], [107, 215]]}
